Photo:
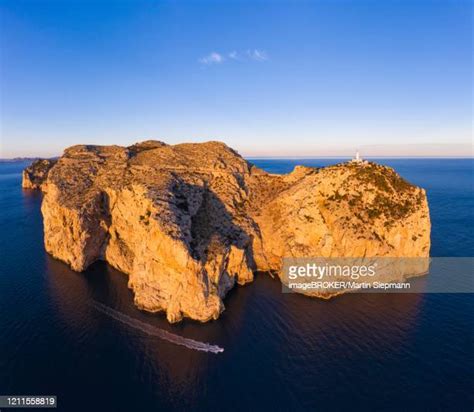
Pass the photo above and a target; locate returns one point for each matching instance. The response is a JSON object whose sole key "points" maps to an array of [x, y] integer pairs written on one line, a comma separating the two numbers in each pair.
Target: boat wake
{"points": [[154, 331]]}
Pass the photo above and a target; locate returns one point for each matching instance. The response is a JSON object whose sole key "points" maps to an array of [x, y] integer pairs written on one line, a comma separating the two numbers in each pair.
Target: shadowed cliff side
{"points": [[187, 222]]}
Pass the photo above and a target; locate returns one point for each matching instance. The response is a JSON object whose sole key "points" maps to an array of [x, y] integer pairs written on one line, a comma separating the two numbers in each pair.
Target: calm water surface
{"points": [[282, 351]]}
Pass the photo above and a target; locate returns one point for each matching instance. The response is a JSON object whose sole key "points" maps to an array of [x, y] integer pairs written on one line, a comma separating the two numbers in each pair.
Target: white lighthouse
{"points": [[358, 159]]}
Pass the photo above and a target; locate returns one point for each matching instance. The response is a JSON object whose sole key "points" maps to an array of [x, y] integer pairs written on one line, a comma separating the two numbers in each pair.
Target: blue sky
{"points": [[266, 77]]}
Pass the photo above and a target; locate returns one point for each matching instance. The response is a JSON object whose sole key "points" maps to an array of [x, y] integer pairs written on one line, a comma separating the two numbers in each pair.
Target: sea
{"points": [[79, 337]]}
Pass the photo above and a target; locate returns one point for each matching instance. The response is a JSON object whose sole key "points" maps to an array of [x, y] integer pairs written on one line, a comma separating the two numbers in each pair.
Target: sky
{"points": [[269, 78]]}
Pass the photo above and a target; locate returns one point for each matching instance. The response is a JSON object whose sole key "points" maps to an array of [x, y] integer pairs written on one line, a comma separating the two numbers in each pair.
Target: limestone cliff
{"points": [[187, 222], [35, 174]]}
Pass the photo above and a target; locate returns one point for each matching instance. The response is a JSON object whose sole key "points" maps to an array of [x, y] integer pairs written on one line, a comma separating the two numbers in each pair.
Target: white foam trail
{"points": [[154, 331]]}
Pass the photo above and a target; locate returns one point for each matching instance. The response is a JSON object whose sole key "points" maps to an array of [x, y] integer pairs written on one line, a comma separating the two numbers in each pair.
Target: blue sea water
{"points": [[281, 351]]}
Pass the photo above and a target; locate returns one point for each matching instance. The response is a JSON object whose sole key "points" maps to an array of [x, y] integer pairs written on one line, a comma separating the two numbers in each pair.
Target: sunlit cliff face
{"points": [[187, 222]]}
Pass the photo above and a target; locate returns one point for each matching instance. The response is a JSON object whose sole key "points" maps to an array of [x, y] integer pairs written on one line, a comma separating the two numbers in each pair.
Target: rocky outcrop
{"points": [[35, 174], [346, 210], [187, 222]]}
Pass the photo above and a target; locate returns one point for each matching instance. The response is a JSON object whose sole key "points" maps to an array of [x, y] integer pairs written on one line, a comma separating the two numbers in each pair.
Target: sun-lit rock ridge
{"points": [[35, 174], [186, 222]]}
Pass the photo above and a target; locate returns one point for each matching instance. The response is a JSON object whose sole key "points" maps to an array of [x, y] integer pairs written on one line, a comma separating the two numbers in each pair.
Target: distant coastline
{"points": [[19, 159], [25, 159], [349, 157], [346, 157]]}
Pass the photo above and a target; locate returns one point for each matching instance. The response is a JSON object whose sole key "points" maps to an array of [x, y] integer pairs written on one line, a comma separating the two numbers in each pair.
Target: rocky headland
{"points": [[35, 174], [187, 222]]}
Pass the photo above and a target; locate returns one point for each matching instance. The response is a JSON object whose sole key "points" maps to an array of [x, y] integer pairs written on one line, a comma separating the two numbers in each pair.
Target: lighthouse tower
{"points": [[357, 158]]}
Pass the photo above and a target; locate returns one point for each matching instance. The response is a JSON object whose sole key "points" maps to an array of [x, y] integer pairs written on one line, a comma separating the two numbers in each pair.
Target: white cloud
{"points": [[258, 55], [212, 58], [249, 55]]}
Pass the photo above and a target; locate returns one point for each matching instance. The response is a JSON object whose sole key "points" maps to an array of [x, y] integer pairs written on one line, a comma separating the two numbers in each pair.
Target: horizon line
{"points": [[365, 157], [263, 157]]}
